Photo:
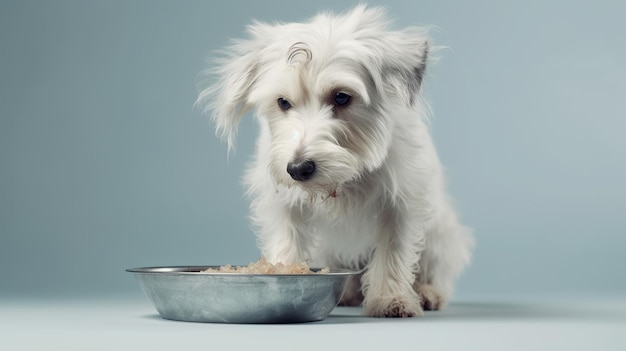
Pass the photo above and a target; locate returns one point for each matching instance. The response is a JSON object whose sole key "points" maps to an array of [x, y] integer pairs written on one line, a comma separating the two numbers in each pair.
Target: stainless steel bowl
{"points": [[187, 294]]}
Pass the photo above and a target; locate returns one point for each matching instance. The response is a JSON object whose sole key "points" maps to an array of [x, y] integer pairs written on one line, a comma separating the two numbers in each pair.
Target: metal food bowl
{"points": [[188, 294]]}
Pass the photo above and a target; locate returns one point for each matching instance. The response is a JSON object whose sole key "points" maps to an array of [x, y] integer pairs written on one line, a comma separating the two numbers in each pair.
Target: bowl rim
{"points": [[197, 271]]}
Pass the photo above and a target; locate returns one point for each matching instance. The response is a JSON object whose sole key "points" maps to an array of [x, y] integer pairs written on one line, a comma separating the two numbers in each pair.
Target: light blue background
{"points": [[105, 165]]}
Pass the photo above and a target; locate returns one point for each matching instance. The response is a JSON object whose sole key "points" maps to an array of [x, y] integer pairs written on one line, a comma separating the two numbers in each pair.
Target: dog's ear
{"points": [[404, 64], [396, 60], [232, 76]]}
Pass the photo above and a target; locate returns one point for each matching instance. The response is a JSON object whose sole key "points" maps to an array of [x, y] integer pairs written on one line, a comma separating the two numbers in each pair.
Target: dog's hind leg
{"points": [[447, 252]]}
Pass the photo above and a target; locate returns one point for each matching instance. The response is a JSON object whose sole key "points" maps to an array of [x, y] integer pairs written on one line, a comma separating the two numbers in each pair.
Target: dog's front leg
{"points": [[387, 282], [281, 237]]}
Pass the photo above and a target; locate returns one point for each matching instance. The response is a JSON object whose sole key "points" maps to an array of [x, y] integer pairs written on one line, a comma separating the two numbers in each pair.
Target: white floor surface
{"points": [[131, 323]]}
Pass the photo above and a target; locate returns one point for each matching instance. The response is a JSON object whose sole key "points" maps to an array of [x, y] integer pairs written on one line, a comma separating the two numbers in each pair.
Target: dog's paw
{"points": [[396, 307], [352, 295], [430, 298], [354, 299]]}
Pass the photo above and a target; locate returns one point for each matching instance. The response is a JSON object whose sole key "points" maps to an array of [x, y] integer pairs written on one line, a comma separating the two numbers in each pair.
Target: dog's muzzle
{"points": [[301, 170]]}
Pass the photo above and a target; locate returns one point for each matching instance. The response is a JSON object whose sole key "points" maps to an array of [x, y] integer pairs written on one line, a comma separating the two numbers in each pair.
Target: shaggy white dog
{"points": [[345, 173]]}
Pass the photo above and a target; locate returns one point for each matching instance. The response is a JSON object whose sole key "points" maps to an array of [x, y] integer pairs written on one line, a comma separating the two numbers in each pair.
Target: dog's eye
{"points": [[284, 104], [342, 99]]}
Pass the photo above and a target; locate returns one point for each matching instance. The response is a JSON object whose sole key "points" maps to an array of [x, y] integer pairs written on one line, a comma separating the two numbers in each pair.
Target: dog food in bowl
{"points": [[264, 267]]}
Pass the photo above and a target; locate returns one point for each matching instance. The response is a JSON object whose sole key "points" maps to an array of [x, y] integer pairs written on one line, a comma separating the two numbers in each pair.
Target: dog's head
{"points": [[326, 92]]}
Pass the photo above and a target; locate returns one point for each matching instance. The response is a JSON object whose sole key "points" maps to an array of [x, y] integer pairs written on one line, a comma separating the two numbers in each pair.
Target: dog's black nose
{"points": [[301, 169]]}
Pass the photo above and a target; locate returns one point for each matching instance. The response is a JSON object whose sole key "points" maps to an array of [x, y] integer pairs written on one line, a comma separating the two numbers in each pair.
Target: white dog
{"points": [[345, 174]]}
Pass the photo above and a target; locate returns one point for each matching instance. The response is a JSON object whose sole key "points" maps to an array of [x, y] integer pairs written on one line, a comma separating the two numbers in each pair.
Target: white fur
{"points": [[377, 200]]}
